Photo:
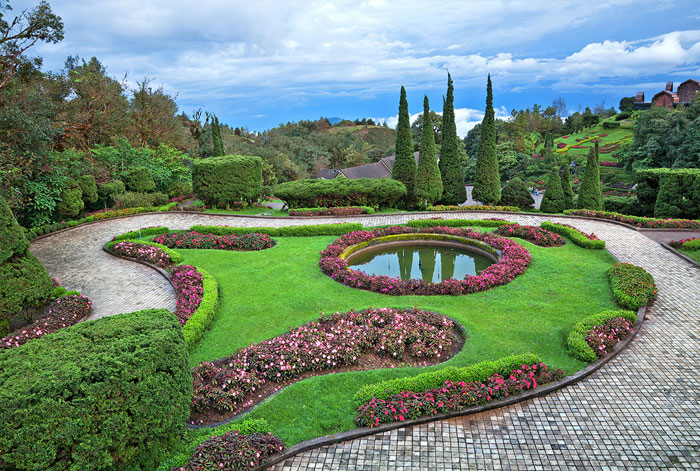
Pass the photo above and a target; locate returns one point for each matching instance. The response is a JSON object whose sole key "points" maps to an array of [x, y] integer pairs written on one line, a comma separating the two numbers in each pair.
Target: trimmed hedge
{"points": [[632, 286], [515, 193], [289, 231], [691, 245], [435, 379], [143, 232], [375, 192], [139, 180], [332, 211], [223, 181], [473, 207], [574, 235], [24, 283], [197, 324], [101, 395], [622, 205], [577, 337], [132, 199], [12, 239], [669, 192], [650, 223], [457, 223], [107, 190], [71, 202]]}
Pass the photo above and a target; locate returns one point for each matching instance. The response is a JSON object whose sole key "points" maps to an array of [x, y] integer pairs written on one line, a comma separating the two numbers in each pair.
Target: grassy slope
{"points": [[264, 293], [613, 135]]}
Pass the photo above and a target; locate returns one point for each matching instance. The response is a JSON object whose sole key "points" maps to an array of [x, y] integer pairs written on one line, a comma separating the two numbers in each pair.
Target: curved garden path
{"points": [[640, 411]]}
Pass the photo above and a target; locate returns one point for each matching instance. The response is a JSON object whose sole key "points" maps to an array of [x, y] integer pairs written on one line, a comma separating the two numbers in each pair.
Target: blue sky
{"points": [[260, 63]]}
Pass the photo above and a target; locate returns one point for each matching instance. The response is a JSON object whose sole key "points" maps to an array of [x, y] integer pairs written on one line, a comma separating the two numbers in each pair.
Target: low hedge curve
{"points": [[575, 235], [143, 232], [632, 286], [199, 321], [576, 339], [457, 222], [288, 231]]}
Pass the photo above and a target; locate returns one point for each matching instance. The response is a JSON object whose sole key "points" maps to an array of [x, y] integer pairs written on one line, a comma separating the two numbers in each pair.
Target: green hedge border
{"points": [[574, 235], [457, 223], [143, 232], [199, 321], [286, 231], [576, 340], [622, 274]]}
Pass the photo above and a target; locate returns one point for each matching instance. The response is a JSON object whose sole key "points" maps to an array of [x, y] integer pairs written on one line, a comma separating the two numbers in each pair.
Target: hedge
{"points": [[632, 286], [24, 283], [577, 337], [435, 379], [288, 231], [101, 395], [473, 207], [132, 199], [71, 202], [375, 192], [669, 192], [197, 324], [691, 245], [574, 235], [515, 193], [175, 257], [457, 223], [89, 189], [651, 223], [223, 181], [622, 205], [143, 232], [107, 190], [139, 180], [12, 238], [332, 211]]}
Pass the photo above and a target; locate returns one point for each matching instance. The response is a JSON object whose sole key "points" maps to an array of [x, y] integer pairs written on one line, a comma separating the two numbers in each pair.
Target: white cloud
{"points": [[465, 118]]}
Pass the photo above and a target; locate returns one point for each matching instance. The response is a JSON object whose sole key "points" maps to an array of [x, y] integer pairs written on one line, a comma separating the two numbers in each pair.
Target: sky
{"points": [[259, 63]]}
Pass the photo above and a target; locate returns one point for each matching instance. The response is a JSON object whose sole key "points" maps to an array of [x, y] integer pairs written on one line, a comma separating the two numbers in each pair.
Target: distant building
{"points": [[380, 169], [668, 98]]}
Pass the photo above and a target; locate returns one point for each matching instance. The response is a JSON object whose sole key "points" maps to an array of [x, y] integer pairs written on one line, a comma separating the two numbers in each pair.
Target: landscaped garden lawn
{"points": [[264, 293], [694, 254]]}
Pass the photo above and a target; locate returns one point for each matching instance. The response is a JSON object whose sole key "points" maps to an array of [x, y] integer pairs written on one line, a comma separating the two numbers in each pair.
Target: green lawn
{"points": [[264, 293], [621, 135], [694, 254]]}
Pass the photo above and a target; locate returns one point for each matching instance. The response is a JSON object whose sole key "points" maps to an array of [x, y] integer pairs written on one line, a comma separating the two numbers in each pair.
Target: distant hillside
{"points": [[335, 120], [578, 145]]}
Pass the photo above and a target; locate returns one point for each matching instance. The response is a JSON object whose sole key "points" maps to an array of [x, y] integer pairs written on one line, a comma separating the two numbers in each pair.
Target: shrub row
{"points": [[632, 286], [195, 240], [289, 231], [311, 193], [691, 244], [473, 207], [433, 222], [454, 396], [234, 451], [622, 205], [198, 322], [580, 238], [534, 234], [143, 232], [102, 395], [648, 223], [332, 211], [434, 379], [578, 346]]}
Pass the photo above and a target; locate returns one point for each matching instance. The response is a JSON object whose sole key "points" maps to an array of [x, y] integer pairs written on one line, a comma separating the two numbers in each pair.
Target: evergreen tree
{"points": [[487, 184], [566, 186], [553, 199], [428, 187], [515, 193], [216, 137], [454, 191], [404, 169], [548, 140], [591, 194]]}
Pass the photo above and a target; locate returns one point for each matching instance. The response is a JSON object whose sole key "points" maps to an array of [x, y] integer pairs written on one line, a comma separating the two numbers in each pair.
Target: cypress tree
{"points": [[216, 137], [591, 194], [566, 186], [553, 199], [454, 191], [487, 184], [428, 187], [404, 169]]}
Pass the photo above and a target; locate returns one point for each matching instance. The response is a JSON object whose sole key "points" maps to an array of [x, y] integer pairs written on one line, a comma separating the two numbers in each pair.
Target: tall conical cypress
{"points": [[591, 194], [404, 169], [216, 137], [553, 199], [566, 186], [487, 183], [454, 191], [428, 187]]}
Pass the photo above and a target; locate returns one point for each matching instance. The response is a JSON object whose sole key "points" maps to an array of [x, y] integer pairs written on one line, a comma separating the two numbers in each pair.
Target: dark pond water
{"points": [[430, 263]]}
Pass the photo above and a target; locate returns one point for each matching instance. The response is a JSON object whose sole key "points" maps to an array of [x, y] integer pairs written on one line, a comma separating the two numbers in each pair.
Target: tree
{"points": [[487, 184], [417, 128], [591, 194], [454, 191], [553, 199], [627, 104], [154, 119], [515, 193], [428, 187], [216, 138], [566, 186], [404, 169]]}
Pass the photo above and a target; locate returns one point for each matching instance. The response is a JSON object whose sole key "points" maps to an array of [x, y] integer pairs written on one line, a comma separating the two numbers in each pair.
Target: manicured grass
{"points": [[621, 135], [694, 254], [264, 293]]}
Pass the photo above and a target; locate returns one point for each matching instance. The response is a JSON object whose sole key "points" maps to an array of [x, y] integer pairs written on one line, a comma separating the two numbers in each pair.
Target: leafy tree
{"points": [[553, 199], [566, 187], [154, 119], [417, 128], [515, 193], [428, 187], [487, 184], [689, 151], [404, 169], [454, 191], [591, 194], [627, 104]]}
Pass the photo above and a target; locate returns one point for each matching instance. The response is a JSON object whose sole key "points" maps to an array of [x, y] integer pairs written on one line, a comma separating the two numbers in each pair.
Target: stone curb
{"points": [[532, 394], [680, 254]]}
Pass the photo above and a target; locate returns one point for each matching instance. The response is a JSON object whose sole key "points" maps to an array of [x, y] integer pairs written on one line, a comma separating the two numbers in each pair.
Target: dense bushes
{"points": [[632, 286], [289, 231], [223, 181], [102, 395], [669, 192], [610, 125], [139, 180], [650, 223], [515, 193], [332, 211], [132, 199], [623, 205], [375, 192], [576, 340], [107, 191], [580, 238], [234, 451], [70, 203]]}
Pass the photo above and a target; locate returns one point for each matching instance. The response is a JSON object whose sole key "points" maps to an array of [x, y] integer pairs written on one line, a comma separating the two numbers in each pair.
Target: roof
{"points": [[373, 170], [327, 173]]}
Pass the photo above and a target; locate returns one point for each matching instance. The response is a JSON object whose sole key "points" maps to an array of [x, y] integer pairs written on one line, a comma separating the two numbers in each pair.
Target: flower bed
{"points": [[62, 312], [534, 234], [189, 288], [578, 237], [143, 252], [233, 451], [226, 385], [432, 222], [649, 223], [632, 286], [514, 261], [602, 339], [332, 211], [195, 240], [686, 244], [453, 396], [473, 207], [606, 163], [598, 334]]}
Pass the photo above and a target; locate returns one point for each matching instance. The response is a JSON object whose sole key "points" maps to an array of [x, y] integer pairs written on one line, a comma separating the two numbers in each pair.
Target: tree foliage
{"points": [[454, 191], [487, 184], [404, 169], [428, 187], [591, 194], [553, 199], [566, 187], [515, 193]]}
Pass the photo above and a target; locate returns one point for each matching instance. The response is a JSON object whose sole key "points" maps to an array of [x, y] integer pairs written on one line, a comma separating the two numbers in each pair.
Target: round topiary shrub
{"points": [[139, 180], [89, 188], [515, 193], [223, 181], [23, 283], [107, 191], [71, 202], [12, 239], [103, 395]]}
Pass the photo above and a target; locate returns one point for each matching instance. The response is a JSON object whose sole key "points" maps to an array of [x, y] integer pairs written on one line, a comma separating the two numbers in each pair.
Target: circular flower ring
{"points": [[513, 261]]}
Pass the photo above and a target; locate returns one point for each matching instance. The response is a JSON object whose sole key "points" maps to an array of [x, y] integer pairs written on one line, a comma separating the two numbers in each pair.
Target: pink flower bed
{"points": [[233, 451], [590, 236], [534, 234], [189, 287], [453, 396], [677, 244], [332, 341], [603, 338], [145, 253], [195, 240], [62, 312], [514, 261], [637, 220], [332, 211], [606, 163]]}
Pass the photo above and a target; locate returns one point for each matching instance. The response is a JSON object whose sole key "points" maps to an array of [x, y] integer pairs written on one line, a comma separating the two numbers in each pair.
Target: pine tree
{"points": [[591, 194], [216, 137], [454, 191], [553, 199], [566, 186], [404, 169], [487, 183], [428, 187]]}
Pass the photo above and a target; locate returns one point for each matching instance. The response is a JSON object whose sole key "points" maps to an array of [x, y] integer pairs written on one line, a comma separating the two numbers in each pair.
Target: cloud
{"points": [[465, 118]]}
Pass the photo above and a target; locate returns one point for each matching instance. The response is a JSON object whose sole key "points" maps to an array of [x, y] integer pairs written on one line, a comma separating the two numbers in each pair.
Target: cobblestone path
{"points": [[640, 411]]}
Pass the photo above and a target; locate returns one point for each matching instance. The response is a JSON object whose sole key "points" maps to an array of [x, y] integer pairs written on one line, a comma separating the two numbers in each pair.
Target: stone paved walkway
{"points": [[640, 411]]}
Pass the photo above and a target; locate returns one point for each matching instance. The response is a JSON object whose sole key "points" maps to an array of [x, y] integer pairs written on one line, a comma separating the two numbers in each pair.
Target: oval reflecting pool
{"points": [[431, 263]]}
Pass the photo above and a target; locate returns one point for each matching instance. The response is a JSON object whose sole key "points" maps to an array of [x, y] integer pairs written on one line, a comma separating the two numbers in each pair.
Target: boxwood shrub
{"points": [[574, 235], [101, 395], [435, 379], [197, 324], [107, 190], [139, 180], [223, 181], [71, 202], [457, 223], [89, 189], [632, 286], [289, 231], [577, 337], [24, 283], [12, 238], [311, 193]]}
